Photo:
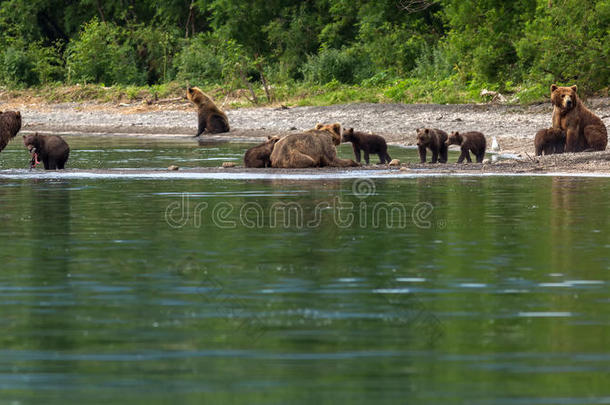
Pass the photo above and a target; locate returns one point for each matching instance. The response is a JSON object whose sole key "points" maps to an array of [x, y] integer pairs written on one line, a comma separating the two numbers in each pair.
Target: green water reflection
{"points": [[427, 291]]}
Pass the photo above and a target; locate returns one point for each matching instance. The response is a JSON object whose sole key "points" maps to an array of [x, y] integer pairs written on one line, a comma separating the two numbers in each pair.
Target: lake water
{"points": [[444, 290]]}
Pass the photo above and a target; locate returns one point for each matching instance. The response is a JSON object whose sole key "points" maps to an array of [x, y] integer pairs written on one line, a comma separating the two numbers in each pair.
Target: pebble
{"points": [[395, 162], [228, 164], [173, 168]]}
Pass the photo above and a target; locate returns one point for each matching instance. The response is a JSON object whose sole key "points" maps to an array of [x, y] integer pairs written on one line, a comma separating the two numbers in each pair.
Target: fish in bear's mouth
{"points": [[34, 160]]}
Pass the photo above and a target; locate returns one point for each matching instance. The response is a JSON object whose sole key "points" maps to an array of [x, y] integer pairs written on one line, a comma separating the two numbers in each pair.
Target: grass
{"points": [[410, 90]]}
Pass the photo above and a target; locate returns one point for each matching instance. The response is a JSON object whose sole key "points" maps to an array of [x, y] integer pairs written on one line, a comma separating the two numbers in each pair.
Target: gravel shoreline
{"points": [[513, 126]]}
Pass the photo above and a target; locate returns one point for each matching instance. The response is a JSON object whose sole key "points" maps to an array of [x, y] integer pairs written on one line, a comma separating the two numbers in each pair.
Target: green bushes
{"points": [[103, 53], [517, 47], [344, 66]]}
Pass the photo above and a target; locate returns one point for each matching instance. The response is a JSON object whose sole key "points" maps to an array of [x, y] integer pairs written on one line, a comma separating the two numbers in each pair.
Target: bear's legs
{"points": [[356, 152], [573, 143], [596, 137], [434, 156], [480, 157], [300, 160], [443, 153], [464, 155], [384, 157], [366, 157], [422, 153]]}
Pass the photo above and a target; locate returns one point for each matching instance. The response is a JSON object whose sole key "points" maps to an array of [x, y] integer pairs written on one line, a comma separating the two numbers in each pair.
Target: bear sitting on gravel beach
{"points": [[10, 124], [211, 118], [368, 143], [260, 155], [52, 150], [435, 140], [550, 141], [584, 130], [469, 141], [313, 148]]}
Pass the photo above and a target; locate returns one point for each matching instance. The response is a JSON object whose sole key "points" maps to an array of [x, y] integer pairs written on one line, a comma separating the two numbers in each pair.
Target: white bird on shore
{"points": [[494, 144]]}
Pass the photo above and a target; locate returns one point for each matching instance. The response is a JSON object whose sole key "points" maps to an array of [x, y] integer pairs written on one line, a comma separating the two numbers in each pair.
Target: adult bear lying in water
{"points": [[313, 148]]}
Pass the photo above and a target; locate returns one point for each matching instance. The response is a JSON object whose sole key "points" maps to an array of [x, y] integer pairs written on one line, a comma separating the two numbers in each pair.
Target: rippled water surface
{"points": [[422, 290]]}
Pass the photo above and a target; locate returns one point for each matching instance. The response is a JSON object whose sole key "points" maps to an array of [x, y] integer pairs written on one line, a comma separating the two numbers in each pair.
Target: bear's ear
{"points": [[426, 131], [269, 137], [553, 87], [575, 88], [318, 126]]}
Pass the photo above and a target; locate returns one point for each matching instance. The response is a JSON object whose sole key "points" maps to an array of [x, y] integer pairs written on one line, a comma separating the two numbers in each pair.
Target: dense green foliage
{"points": [[512, 46]]}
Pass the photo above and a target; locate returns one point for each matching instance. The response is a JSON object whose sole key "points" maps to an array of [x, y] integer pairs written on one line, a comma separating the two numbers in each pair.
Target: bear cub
{"points": [[435, 140], [469, 141], [260, 155], [210, 117], [368, 144], [550, 141], [52, 150]]}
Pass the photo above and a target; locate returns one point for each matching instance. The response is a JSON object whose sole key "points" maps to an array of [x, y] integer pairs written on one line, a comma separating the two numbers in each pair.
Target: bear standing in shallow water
{"points": [[433, 139], [260, 155], [469, 141], [10, 124], [368, 143], [585, 131], [52, 150], [210, 117]]}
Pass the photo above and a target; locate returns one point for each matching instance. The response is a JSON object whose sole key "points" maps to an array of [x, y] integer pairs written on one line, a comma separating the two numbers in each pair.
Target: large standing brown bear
{"points": [[211, 118], [260, 155], [368, 143], [435, 140], [469, 141], [550, 141], [10, 124], [313, 148], [53, 150], [584, 130]]}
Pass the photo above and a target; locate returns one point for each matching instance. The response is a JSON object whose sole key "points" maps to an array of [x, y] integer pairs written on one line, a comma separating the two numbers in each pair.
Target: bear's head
{"points": [[423, 137], [11, 121], [454, 139], [272, 140], [348, 135], [32, 142], [198, 97], [334, 129], [564, 98]]}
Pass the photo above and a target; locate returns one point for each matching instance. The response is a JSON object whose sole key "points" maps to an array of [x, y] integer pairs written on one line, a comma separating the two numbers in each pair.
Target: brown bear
{"points": [[435, 140], [368, 143], [211, 118], [584, 130], [313, 148], [53, 150], [259, 156], [550, 141], [10, 124], [469, 141]]}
